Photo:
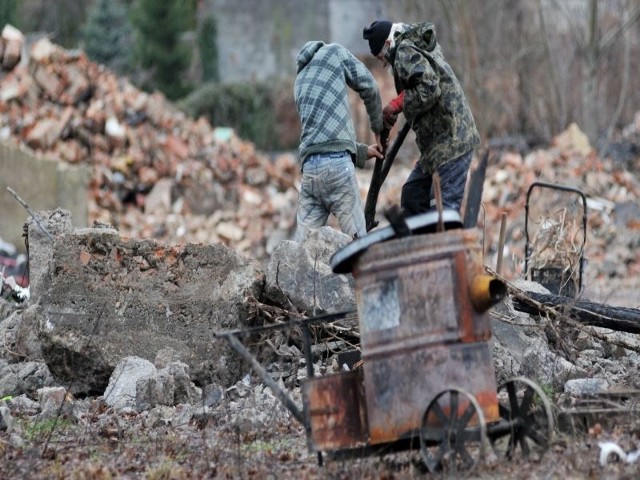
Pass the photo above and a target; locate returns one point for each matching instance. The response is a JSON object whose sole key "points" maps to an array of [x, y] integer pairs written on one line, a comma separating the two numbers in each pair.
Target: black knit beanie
{"points": [[377, 33]]}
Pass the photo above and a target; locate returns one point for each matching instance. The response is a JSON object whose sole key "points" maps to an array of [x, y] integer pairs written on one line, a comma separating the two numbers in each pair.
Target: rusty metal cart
{"points": [[427, 380]]}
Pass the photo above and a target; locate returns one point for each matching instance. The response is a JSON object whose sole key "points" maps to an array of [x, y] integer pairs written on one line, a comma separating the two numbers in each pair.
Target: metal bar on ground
{"points": [[266, 378], [328, 318]]}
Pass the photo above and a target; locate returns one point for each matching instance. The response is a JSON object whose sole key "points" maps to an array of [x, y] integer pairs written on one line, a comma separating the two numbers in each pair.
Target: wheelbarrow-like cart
{"points": [[427, 380]]}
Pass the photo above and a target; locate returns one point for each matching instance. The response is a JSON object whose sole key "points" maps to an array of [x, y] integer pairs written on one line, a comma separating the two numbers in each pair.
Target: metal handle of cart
{"points": [[286, 399], [527, 248]]}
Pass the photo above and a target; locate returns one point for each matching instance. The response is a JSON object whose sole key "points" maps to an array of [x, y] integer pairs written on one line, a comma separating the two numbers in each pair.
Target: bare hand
{"points": [[374, 151]]}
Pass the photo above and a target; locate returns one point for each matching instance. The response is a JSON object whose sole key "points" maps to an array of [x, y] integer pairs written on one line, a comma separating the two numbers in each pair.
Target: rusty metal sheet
{"points": [[420, 285], [400, 384], [334, 406]]}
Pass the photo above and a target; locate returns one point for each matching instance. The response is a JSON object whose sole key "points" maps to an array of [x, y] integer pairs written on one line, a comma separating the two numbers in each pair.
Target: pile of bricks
{"points": [[153, 168], [11, 43]]}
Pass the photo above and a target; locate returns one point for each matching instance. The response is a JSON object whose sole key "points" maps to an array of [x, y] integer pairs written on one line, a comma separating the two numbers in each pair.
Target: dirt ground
{"points": [[130, 446], [250, 434]]}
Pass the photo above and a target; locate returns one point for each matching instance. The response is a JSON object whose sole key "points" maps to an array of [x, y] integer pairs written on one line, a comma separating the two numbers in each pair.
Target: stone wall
{"points": [[260, 39], [43, 185]]}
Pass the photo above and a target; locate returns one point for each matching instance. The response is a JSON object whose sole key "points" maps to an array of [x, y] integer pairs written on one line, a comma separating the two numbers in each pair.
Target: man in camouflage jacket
{"points": [[432, 100]]}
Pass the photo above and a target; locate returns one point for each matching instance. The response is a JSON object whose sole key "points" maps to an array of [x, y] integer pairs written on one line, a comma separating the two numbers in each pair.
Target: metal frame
{"points": [[420, 439], [527, 252]]}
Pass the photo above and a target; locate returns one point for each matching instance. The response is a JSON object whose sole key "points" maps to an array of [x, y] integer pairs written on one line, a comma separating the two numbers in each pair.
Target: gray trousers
{"points": [[329, 186]]}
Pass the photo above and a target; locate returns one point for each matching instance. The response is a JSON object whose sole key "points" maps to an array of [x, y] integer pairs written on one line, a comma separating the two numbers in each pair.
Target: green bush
{"points": [[8, 13], [159, 26], [248, 108]]}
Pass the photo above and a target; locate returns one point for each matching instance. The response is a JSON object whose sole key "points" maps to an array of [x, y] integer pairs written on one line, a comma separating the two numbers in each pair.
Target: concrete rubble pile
{"points": [[159, 174], [127, 315], [156, 172]]}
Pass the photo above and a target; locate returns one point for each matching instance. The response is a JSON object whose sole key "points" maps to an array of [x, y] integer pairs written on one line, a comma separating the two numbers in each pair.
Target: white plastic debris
{"points": [[609, 448], [632, 457], [22, 293], [114, 128]]}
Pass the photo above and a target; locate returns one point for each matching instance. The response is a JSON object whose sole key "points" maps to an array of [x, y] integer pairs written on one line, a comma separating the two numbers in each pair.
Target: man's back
{"points": [[325, 71]]}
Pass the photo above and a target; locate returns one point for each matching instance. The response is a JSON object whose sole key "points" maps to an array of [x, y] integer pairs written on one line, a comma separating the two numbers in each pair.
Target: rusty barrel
{"points": [[421, 333]]}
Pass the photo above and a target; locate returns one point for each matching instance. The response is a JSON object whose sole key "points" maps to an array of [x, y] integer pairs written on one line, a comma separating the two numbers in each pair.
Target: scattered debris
{"points": [[160, 175], [14, 290], [611, 449]]}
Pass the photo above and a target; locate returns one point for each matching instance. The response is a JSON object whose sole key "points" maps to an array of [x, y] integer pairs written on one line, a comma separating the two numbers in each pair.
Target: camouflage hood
{"points": [[422, 35]]}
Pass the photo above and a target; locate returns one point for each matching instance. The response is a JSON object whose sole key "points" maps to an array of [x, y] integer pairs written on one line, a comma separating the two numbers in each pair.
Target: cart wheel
{"points": [[453, 432], [527, 410]]}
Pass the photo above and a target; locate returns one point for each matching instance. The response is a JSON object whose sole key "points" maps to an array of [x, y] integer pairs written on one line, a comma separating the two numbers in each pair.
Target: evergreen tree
{"points": [[159, 26], [208, 49], [108, 35], [8, 13]]}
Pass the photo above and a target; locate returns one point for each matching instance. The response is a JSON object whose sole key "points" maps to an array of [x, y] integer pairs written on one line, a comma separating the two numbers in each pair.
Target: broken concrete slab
{"points": [[121, 391], [300, 275], [42, 228], [110, 297], [169, 386]]}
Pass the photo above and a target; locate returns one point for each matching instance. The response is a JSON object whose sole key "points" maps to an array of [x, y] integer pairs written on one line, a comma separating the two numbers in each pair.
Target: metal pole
{"points": [[306, 335], [503, 232], [266, 378]]}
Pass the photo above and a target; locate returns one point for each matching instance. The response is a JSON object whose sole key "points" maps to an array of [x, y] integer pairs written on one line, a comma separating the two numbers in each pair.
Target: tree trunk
{"points": [[621, 319], [590, 80]]}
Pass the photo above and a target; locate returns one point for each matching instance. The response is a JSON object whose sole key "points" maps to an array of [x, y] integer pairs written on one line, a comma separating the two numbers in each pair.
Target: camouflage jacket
{"points": [[434, 103]]}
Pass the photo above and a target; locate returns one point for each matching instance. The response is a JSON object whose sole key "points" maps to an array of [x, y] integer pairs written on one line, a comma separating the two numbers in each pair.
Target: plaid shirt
{"points": [[320, 91]]}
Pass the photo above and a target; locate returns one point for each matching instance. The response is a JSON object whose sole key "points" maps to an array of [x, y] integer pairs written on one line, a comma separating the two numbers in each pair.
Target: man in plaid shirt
{"points": [[328, 149]]}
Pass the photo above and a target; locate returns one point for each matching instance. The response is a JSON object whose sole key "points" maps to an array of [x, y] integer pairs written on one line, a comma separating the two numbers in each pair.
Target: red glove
{"points": [[396, 103], [391, 111]]}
